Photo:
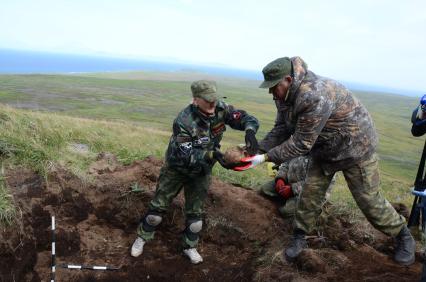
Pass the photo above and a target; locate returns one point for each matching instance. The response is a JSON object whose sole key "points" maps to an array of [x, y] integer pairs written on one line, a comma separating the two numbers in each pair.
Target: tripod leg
{"points": [[414, 218], [423, 212]]}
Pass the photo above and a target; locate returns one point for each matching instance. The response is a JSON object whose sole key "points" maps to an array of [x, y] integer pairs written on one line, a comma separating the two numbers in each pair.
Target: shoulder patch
{"points": [[186, 147], [236, 115]]}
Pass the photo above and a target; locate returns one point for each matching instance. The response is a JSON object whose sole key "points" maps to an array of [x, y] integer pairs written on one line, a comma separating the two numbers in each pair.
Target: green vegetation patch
{"points": [[7, 207]]}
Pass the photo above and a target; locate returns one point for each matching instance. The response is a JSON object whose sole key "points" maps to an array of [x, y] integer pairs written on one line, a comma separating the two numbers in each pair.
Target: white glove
{"points": [[250, 162]]}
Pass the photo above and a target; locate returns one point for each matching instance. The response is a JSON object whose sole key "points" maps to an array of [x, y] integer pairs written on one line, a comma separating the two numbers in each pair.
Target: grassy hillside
{"points": [[130, 115]]}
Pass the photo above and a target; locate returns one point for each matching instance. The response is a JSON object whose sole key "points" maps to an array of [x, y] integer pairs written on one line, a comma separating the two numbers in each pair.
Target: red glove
{"points": [[283, 189]]}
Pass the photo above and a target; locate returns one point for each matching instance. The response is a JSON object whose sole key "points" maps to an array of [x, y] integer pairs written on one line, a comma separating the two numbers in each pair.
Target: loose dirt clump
{"points": [[310, 261], [235, 154], [242, 239]]}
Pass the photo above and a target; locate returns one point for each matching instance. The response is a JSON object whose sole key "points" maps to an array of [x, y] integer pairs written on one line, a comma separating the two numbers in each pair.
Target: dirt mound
{"points": [[242, 239]]}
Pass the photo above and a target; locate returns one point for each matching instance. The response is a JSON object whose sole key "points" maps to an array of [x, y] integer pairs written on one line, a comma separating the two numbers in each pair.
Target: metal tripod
{"points": [[418, 210]]}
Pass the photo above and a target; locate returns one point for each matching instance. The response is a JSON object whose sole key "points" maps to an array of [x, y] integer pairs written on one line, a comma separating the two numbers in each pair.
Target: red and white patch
{"points": [[236, 115]]}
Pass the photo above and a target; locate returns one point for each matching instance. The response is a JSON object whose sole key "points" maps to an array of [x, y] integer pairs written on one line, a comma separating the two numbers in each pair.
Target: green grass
{"points": [[130, 115], [36, 139], [7, 207], [40, 140]]}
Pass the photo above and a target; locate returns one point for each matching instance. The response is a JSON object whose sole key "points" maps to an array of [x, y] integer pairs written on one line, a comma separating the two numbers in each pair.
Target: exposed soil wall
{"points": [[242, 239]]}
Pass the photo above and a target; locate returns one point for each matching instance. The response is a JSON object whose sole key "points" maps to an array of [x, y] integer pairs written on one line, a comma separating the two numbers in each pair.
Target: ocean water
{"points": [[24, 62], [15, 61]]}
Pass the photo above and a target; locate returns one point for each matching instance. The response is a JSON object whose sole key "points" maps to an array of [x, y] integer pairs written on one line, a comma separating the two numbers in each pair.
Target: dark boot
{"points": [[405, 248], [297, 244]]}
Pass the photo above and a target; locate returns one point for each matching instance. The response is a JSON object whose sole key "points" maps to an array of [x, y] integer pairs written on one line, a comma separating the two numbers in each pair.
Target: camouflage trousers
{"points": [[363, 181], [286, 208], [169, 184]]}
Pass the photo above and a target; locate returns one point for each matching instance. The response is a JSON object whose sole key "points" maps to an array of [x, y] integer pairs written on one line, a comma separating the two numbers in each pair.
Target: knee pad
{"points": [[193, 227], [151, 221]]}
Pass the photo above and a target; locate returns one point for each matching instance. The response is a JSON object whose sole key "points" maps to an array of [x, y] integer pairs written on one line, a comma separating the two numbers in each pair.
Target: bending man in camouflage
{"points": [[193, 150], [320, 117]]}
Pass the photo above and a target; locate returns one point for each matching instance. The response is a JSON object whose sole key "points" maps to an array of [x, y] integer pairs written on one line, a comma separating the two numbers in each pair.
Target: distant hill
{"points": [[381, 89], [25, 62]]}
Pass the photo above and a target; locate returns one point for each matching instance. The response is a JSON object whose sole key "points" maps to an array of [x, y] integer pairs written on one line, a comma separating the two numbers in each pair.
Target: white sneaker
{"points": [[193, 255], [137, 247]]}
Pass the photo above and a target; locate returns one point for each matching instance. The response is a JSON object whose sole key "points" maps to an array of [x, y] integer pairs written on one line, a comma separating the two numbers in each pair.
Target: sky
{"points": [[378, 42]]}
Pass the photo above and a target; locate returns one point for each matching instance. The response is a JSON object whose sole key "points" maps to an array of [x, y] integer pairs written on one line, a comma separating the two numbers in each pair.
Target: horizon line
{"points": [[254, 75]]}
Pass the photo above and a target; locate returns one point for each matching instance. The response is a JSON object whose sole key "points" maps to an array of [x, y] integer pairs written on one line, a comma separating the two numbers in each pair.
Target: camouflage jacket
{"points": [[294, 172], [194, 135], [320, 117]]}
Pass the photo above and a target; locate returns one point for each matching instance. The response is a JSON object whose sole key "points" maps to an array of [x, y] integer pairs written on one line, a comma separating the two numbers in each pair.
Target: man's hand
{"points": [[283, 189], [217, 155], [251, 142], [250, 162]]}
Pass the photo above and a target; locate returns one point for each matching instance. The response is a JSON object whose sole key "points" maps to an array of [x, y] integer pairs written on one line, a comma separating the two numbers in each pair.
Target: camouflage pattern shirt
{"points": [[321, 117], [194, 135]]}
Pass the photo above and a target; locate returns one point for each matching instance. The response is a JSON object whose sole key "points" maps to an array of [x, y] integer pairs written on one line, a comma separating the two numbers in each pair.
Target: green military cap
{"points": [[275, 71], [204, 89]]}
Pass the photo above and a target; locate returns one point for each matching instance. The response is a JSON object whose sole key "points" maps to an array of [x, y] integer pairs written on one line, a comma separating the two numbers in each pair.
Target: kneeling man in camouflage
{"points": [[193, 150]]}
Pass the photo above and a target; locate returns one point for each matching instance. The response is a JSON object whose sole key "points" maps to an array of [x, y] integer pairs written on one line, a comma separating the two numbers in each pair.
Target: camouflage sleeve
{"points": [[239, 119], [294, 170], [184, 151], [276, 136], [312, 114], [282, 171]]}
